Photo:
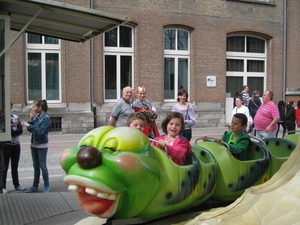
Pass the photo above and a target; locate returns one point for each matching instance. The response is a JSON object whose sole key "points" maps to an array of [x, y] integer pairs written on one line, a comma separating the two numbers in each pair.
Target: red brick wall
{"points": [[211, 21]]}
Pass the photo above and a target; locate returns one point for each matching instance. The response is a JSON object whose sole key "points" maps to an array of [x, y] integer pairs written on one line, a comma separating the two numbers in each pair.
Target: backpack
{"points": [[282, 115]]}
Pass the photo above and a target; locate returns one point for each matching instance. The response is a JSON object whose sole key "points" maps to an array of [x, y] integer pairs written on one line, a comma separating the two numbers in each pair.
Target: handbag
{"points": [[254, 103], [187, 113], [187, 133]]}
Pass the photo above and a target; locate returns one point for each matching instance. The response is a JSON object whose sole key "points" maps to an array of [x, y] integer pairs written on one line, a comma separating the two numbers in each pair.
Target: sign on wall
{"points": [[211, 81]]}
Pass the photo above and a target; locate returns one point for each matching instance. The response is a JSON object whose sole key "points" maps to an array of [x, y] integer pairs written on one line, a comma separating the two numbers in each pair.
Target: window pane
{"points": [[110, 77], [52, 76], [236, 44], [169, 78], [111, 38], [35, 38], [51, 40], [235, 65], [170, 39], [233, 85], [255, 45], [126, 71], [182, 73], [125, 36], [255, 66], [255, 83], [182, 37], [34, 76]]}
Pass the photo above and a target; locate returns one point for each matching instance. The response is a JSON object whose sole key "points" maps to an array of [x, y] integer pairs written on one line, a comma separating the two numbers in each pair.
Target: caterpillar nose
{"points": [[88, 157]]}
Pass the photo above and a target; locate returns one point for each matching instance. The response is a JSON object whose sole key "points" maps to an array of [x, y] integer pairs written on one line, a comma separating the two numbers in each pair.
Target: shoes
{"points": [[46, 189], [4, 191], [20, 188], [32, 189]]}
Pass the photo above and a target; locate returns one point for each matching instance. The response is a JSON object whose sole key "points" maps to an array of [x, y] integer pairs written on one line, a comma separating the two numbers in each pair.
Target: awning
{"points": [[60, 20]]}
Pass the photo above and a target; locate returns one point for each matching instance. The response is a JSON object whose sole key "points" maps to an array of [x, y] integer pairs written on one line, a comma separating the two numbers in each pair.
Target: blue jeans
{"points": [[187, 133], [39, 158]]}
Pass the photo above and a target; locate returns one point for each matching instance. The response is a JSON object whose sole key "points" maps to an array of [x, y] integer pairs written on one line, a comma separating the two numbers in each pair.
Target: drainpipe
{"points": [[284, 50], [93, 105]]}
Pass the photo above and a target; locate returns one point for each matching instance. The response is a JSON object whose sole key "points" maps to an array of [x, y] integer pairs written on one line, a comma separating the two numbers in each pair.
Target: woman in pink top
{"points": [[178, 147]]}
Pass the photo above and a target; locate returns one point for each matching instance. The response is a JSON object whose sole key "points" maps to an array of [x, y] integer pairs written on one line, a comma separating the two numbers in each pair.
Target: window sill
{"points": [[254, 1]]}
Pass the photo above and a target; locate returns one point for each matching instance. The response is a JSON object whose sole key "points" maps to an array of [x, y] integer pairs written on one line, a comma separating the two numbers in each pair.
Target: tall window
{"points": [[43, 68], [245, 64], [176, 62], [118, 61]]}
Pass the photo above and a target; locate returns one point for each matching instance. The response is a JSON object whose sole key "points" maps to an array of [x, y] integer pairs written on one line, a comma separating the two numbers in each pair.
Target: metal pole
{"points": [[284, 50]]}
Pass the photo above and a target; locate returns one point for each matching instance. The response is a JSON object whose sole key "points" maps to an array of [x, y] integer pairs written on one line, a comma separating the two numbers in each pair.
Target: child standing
{"points": [[11, 152], [39, 125], [178, 146], [237, 140], [136, 120]]}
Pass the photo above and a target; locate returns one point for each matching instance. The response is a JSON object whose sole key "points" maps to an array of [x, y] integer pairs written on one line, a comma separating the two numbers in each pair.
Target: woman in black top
{"points": [[253, 106], [290, 117], [281, 122]]}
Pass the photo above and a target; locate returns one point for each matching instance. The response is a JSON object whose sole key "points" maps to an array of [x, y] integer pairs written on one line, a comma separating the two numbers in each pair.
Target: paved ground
{"points": [[60, 206]]}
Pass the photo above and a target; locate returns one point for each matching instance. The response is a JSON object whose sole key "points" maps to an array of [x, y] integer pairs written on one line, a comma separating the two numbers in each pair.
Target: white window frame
{"points": [[176, 54], [248, 56], [244, 56], [43, 49], [118, 52]]}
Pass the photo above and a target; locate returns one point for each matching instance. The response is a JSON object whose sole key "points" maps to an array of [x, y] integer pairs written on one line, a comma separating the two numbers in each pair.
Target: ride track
{"points": [[118, 174]]}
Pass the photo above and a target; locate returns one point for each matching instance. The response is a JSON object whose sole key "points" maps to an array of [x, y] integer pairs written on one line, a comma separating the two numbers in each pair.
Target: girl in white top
{"points": [[240, 108]]}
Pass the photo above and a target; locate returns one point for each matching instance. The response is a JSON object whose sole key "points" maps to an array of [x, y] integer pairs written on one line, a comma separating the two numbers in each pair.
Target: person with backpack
{"points": [[281, 122], [290, 118], [253, 106]]}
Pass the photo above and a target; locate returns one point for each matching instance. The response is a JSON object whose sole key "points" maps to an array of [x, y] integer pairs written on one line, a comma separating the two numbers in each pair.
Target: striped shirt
{"points": [[265, 115], [245, 97]]}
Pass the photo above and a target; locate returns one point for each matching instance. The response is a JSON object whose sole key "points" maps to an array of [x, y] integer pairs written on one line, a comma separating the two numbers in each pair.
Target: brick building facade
{"points": [[84, 102]]}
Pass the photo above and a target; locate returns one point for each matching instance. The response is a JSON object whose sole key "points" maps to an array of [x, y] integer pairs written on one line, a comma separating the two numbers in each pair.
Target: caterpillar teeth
{"points": [[73, 188], [109, 196]]}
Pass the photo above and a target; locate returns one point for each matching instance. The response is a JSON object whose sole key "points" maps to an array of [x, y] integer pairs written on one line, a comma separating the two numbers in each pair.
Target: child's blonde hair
{"points": [[135, 116]]}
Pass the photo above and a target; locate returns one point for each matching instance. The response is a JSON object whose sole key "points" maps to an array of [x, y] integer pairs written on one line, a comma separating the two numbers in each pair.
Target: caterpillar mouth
{"points": [[100, 202]]}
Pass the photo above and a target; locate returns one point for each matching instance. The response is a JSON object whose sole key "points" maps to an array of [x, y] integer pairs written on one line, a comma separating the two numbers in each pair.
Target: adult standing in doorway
{"points": [[187, 112], [122, 109], [147, 108], [245, 95], [266, 117]]}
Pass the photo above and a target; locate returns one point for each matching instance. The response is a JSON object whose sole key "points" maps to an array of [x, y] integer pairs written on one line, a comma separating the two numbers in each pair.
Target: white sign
{"points": [[211, 81]]}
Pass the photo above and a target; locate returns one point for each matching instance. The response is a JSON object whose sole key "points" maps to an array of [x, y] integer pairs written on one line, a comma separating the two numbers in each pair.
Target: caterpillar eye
{"points": [[88, 157]]}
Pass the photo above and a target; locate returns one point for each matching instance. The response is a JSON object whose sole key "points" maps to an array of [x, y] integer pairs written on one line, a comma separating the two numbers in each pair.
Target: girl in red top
{"points": [[178, 147], [297, 115]]}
